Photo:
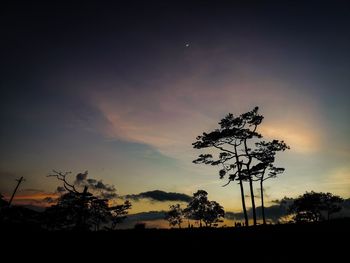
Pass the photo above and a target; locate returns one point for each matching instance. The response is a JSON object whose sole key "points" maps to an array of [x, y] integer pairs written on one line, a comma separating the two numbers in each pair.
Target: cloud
{"points": [[108, 195], [152, 219], [168, 113], [103, 190], [100, 185], [60, 189], [49, 200], [161, 196], [273, 213], [147, 216], [296, 133], [91, 181], [80, 177]]}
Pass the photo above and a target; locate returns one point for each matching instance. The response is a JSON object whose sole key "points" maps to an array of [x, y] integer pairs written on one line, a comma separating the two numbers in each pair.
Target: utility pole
{"points": [[19, 181]]}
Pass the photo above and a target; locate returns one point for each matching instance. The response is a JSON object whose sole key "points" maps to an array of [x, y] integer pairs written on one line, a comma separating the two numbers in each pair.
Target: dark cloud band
{"points": [[161, 196]]}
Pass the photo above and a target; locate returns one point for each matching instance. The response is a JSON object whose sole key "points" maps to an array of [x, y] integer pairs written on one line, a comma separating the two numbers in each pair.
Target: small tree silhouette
{"points": [[175, 215], [72, 207], [118, 213], [81, 210], [99, 212], [309, 206], [197, 206], [331, 204], [265, 153], [70, 213], [203, 210], [213, 214]]}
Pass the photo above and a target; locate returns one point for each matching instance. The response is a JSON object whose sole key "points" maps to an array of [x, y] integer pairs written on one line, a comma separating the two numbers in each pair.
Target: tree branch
{"points": [[222, 149], [229, 181]]}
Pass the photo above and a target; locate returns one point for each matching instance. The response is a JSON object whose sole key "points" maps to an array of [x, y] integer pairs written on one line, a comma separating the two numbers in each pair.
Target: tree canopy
{"points": [[82, 210], [314, 207], [203, 210], [241, 154], [175, 215]]}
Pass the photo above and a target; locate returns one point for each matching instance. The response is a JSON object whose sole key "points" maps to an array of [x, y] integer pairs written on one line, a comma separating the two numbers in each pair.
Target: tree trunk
{"points": [[241, 187], [250, 180], [243, 203], [253, 200], [262, 202]]}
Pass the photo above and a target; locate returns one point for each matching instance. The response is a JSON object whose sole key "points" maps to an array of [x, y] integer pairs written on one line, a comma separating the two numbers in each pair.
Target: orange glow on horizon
{"points": [[36, 199]]}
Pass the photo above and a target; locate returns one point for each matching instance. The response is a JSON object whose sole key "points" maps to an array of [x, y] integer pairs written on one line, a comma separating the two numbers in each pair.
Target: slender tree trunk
{"points": [[241, 188], [253, 200], [262, 202], [243, 203], [250, 180]]}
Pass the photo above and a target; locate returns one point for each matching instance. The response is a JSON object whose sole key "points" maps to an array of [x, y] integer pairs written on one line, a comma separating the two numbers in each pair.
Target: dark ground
{"points": [[326, 241]]}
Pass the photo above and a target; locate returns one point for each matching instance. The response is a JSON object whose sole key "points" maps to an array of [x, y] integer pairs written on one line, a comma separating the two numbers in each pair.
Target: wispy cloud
{"points": [[297, 134], [169, 118]]}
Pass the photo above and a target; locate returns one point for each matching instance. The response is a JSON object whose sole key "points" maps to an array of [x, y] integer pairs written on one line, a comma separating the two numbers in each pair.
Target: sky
{"points": [[123, 89]]}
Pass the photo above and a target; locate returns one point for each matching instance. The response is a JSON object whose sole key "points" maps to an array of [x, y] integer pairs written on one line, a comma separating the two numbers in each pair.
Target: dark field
{"points": [[277, 243]]}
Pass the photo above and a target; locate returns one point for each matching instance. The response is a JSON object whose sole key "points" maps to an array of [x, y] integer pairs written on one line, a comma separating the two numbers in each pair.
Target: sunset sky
{"points": [[123, 90]]}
